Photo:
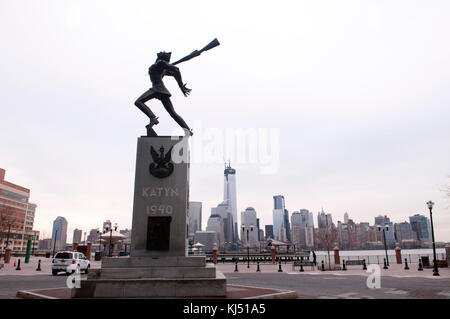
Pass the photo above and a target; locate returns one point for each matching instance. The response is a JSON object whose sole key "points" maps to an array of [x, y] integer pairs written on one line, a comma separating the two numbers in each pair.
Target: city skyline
{"points": [[356, 94], [70, 229]]}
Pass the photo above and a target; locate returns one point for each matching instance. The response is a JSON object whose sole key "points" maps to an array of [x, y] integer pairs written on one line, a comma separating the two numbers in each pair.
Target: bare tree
{"points": [[327, 239]]}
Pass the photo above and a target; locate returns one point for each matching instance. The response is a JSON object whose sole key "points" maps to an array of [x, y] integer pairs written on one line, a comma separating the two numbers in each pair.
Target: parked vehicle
{"points": [[70, 262]]}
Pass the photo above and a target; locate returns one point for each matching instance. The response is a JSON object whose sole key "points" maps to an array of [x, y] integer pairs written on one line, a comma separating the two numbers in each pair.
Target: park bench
{"points": [[298, 263], [356, 263]]}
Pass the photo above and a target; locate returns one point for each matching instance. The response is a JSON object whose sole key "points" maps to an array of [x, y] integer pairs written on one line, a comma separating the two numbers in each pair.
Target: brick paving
{"points": [[394, 270]]}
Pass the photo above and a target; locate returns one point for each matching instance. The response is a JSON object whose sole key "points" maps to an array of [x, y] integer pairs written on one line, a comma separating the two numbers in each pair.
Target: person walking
{"points": [[314, 258]]}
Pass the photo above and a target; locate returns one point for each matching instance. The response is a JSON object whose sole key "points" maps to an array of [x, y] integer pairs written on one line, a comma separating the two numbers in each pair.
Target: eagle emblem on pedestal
{"points": [[161, 166]]}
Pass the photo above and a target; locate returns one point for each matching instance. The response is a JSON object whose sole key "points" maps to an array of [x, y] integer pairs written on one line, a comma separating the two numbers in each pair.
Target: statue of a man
{"points": [[157, 71]]}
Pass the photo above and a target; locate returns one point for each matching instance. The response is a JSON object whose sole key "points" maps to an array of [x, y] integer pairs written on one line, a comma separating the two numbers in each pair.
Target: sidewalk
{"points": [[30, 268], [394, 270]]}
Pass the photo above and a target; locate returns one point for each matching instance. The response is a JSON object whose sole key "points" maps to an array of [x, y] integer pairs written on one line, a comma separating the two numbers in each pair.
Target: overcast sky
{"points": [[357, 90]]}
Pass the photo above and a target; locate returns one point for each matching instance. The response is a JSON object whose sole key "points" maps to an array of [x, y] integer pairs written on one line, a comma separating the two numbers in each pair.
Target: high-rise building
{"points": [[421, 225], [59, 233], [279, 216], [194, 219], [257, 226], [287, 225], [249, 230], [309, 237], [346, 218], [298, 237], [45, 244], [229, 196], [305, 212], [215, 223], [301, 218], [278, 202], [224, 211], [381, 220], [93, 236], [77, 235], [324, 221], [278, 222], [16, 217], [404, 232], [269, 232], [207, 238]]}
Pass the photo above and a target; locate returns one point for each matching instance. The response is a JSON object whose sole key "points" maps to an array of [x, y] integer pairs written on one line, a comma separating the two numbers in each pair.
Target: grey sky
{"points": [[358, 89]]}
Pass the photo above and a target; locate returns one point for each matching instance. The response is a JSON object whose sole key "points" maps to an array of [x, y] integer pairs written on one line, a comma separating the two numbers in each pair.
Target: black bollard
{"points": [[420, 265], [18, 265], [235, 267], [301, 268], [279, 267], [343, 265], [39, 266], [406, 264], [364, 265], [257, 267], [385, 265], [323, 266]]}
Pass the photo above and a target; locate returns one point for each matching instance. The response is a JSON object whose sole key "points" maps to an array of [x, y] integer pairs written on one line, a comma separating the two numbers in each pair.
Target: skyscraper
{"points": [[422, 227], [224, 211], [279, 217], [16, 216], [249, 227], [59, 233], [215, 223], [278, 222], [77, 236], [229, 196], [287, 225], [269, 231], [195, 219], [324, 220]]}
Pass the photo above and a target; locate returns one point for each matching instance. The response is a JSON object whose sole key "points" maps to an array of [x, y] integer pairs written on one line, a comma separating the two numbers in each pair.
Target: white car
{"points": [[70, 262]]}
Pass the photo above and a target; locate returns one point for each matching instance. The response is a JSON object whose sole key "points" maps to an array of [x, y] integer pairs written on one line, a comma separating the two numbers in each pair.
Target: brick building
{"points": [[16, 217]]}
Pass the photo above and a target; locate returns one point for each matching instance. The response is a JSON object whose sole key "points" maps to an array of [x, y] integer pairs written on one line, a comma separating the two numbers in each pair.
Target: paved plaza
{"points": [[395, 282]]}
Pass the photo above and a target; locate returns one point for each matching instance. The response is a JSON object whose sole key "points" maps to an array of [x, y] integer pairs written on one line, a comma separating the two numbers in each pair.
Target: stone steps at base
{"points": [[209, 271], [152, 287]]}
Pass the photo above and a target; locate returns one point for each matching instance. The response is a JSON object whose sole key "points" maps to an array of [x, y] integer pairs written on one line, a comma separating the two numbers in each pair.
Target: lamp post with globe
{"points": [[430, 205]]}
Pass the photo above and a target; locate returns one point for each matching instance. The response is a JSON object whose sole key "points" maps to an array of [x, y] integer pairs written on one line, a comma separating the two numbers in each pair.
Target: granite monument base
{"points": [[158, 265]]}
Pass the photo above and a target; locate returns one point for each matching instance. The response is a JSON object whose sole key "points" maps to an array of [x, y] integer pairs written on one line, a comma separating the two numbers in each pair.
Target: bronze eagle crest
{"points": [[161, 166]]}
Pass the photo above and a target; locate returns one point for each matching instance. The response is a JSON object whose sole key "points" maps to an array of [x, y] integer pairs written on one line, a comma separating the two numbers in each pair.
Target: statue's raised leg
{"points": [[140, 103]]}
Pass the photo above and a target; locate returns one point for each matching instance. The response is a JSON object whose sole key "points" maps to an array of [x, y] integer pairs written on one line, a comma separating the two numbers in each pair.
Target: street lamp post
{"points": [[430, 205], [384, 238], [54, 242], [32, 247], [248, 244], [100, 241], [7, 237]]}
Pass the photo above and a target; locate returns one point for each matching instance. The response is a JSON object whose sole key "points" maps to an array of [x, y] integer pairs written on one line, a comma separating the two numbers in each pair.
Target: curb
{"points": [[24, 294], [279, 295]]}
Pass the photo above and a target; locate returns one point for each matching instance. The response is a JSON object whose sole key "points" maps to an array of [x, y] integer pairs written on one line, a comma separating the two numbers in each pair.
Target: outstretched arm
{"points": [[175, 72]]}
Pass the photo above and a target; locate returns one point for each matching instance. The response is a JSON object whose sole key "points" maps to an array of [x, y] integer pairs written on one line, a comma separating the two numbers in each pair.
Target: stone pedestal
{"points": [[337, 259], [398, 255], [7, 255], [158, 265]]}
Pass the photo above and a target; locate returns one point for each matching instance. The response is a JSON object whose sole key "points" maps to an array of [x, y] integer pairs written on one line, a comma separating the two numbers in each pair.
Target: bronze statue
{"points": [[157, 71]]}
